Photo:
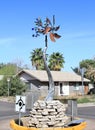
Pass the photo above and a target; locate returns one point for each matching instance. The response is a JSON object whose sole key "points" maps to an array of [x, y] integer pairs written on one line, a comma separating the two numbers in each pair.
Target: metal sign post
{"points": [[19, 116], [20, 105], [72, 108]]}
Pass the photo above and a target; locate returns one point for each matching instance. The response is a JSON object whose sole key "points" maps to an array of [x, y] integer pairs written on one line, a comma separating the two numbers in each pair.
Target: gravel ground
{"points": [[5, 124]]}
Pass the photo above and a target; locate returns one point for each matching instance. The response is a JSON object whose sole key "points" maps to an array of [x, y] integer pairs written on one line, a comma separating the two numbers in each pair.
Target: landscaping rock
{"points": [[47, 114]]}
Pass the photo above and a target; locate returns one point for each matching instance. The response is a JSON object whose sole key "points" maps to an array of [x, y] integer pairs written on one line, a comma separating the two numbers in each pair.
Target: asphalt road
{"points": [[87, 112], [7, 111]]}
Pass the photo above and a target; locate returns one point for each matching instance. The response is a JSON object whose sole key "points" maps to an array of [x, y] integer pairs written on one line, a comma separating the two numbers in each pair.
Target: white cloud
{"points": [[6, 40], [80, 35]]}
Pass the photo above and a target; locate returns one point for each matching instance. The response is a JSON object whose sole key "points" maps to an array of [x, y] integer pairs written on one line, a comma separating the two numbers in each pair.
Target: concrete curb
{"points": [[86, 104]]}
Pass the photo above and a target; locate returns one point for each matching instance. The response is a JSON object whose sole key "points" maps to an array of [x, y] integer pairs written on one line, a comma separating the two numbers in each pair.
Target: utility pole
{"points": [[8, 80]]}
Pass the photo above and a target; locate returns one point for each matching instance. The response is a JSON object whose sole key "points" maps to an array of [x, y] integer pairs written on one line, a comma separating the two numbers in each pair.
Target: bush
{"points": [[16, 86]]}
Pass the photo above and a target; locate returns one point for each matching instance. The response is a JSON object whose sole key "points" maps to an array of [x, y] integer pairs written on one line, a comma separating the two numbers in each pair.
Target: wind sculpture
{"points": [[46, 28]]}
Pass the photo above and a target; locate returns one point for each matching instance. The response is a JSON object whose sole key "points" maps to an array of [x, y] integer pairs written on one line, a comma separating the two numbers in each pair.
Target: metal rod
{"points": [[46, 41], [8, 80], [19, 116], [82, 78], [53, 20], [8, 89], [72, 111]]}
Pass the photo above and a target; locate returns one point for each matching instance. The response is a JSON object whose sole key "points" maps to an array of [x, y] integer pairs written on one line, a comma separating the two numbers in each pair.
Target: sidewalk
{"points": [[86, 104], [5, 124], [90, 124]]}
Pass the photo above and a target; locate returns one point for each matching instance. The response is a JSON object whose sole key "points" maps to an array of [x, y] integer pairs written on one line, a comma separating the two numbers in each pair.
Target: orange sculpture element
{"points": [[46, 28], [53, 36]]}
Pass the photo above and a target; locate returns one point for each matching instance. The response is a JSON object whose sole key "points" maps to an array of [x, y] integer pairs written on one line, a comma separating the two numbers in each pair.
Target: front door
{"points": [[64, 89]]}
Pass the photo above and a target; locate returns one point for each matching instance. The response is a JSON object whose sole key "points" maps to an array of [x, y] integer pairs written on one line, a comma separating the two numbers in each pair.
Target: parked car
{"points": [[92, 91]]}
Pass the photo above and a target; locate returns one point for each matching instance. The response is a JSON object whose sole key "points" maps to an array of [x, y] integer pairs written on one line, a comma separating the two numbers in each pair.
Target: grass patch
{"points": [[80, 99], [7, 99], [83, 100], [86, 99]]}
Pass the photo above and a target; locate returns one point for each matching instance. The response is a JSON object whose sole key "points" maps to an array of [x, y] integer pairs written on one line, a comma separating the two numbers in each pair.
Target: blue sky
{"points": [[77, 28]]}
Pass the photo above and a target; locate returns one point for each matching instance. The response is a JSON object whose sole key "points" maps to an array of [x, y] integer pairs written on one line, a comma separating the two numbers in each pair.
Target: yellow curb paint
{"points": [[14, 126]]}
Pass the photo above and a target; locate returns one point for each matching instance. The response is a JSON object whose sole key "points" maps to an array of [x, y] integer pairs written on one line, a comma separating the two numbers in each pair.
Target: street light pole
{"points": [[82, 79], [8, 80]]}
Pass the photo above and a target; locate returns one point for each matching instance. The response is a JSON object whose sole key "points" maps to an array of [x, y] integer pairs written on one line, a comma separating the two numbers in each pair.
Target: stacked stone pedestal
{"points": [[47, 114]]}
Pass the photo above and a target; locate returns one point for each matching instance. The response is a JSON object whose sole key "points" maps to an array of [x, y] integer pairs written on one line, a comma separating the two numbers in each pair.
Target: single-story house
{"points": [[66, 83]]}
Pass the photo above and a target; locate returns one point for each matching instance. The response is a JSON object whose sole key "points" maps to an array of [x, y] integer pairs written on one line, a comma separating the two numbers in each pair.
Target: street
{"points": [[87, 112], [7, 112]]}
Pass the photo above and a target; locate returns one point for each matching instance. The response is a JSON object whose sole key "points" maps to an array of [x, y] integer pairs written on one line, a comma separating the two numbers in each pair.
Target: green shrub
{"points": [[16, 86], [83, 100]]}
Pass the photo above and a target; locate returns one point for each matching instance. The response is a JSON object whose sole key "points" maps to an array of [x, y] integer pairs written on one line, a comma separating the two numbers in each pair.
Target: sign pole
{"points": [[72, 110], [19, 116]]}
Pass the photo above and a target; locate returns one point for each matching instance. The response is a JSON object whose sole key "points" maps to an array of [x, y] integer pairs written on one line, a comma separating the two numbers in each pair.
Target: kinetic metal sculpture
{"points": [[47, 28]]}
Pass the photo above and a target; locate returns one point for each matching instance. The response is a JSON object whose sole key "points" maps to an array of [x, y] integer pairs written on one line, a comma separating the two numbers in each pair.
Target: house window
{"points": [[76, 87], [61, 90], [71, 83]]}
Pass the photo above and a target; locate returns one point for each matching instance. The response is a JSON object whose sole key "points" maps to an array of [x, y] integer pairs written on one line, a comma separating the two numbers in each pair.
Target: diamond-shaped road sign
{"points": [[20, 104]]}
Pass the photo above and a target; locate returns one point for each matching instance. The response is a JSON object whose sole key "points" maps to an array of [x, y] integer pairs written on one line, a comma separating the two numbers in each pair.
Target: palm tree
{"points": [[56, 61], [36, 59]]}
